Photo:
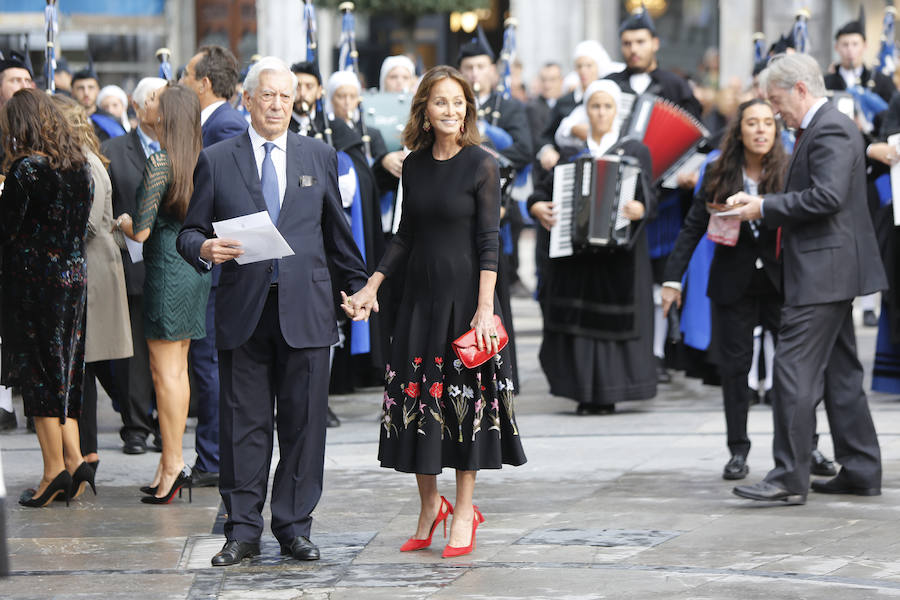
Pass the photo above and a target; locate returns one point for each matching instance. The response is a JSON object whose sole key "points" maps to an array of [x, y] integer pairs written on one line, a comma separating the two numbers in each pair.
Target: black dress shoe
{"points": [[204, 478], [594, 409], [134, 444], [234, 552], [736, 468], [331, 419], [837, 486], [768, 492], [301, 549], [819, 465]]}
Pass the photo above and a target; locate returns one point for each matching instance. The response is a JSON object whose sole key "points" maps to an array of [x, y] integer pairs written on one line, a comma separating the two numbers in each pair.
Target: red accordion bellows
{"points": [[670, 134]]}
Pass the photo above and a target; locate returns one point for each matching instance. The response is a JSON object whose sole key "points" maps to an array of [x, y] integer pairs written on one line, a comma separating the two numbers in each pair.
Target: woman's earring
{"points": [[462, 128], [427, 125]]}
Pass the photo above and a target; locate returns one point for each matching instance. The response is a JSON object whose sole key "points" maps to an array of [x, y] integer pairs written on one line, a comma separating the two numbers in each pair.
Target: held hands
{"points": [[669, 296], [361, 304], [747, 205], [219, 250], [485, 332], [545, 213]]}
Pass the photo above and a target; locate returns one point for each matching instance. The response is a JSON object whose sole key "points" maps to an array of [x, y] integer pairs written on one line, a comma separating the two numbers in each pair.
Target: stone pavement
{"points": [[630, 505]]}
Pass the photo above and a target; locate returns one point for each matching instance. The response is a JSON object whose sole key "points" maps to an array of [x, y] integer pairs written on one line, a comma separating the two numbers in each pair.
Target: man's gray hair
{"points": [[787, 70], [144, 87], [268, 63]]}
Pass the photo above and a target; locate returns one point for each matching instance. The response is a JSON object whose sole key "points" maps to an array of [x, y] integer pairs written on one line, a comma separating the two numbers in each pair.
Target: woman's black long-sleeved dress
{"points": [[436, 412], [43, 225], [598, 314]]}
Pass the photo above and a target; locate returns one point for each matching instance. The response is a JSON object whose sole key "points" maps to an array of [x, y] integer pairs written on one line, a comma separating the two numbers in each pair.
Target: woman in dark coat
{"points": [[44, 213], [598, 308]]}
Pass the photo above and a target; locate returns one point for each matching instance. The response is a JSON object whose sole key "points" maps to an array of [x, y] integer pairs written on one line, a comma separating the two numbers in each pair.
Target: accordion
{"points": [[669, 132], [590, 195]]}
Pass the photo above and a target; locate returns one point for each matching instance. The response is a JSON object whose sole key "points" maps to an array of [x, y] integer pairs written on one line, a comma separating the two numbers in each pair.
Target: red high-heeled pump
{"points": [[445, 511], [454, 551]]}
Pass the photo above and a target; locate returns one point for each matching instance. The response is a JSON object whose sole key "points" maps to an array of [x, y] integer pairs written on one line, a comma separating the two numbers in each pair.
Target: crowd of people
{"points": [[112, 271]]}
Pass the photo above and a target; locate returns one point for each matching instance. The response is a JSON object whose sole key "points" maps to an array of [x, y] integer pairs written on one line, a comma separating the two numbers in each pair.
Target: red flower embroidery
{"points": [[438, 360], [412, 390], [417, 360], [437, 390]]}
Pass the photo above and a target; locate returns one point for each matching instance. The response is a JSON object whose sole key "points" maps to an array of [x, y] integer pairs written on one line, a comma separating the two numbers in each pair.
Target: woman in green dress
{"points": [[174, 294]]}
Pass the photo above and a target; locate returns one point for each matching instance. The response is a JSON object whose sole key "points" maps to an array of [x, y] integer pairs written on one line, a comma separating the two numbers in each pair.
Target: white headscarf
{"points": [[593, 50], [114, 90], [391, 63], [337, 80], [609, 138]]}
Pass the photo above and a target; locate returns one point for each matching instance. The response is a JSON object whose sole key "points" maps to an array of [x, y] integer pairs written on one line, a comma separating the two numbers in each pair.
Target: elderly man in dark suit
{"points": [[132, 386], [275, 319], [213, 75], [830, 256]]}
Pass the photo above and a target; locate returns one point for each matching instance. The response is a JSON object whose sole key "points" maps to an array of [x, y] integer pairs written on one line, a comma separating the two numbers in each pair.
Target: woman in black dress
{"points": [[437, 413], [43, 224], [598, 308]]}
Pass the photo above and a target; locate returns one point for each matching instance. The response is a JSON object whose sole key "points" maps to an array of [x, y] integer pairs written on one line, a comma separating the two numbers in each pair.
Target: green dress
{"points": [[174, 293]]}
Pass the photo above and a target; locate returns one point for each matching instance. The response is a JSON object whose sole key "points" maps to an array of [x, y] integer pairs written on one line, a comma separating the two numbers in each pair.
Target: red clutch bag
{"points": [[466, 347]]}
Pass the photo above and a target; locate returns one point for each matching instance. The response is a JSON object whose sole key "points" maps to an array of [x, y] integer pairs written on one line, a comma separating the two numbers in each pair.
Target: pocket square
{"points": [[307, 181]]}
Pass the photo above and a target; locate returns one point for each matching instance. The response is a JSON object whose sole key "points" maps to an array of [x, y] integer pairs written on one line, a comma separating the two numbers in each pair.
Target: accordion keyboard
{"points": [[564, 203]]}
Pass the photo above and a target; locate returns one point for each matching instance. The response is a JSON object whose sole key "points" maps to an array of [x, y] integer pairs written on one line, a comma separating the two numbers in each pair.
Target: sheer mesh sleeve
{"points": [[487, 224], [154, 185], [398, 250]]}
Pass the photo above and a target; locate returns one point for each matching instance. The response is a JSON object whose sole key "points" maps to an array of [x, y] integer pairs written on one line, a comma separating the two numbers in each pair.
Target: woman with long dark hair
{"points": [[597, 346], [437, 413], [43, 223], [174, 293], [744, 279]]}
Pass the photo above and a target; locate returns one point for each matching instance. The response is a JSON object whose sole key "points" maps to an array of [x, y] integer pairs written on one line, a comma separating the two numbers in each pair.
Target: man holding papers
{"points": [[274, 317], [829, 257]]}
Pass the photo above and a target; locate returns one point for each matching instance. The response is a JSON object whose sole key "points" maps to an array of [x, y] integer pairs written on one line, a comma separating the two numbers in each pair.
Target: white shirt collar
{"points": [[258, 140], [207, 112], [807, 119]]}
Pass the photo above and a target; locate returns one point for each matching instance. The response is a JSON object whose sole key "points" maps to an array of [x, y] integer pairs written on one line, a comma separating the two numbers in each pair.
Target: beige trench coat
{"points": [[107, 328]]}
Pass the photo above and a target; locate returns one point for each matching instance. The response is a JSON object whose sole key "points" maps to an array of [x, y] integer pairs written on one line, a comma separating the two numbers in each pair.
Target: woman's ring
{"points": [[493, 336]]}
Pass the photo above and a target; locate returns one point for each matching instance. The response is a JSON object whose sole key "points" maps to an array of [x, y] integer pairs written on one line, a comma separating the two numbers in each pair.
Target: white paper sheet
{"points": [[259, 238], [894, 140], [135, 249]]}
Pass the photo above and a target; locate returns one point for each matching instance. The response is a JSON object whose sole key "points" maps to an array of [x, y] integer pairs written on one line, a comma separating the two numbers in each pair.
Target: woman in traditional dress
{"points": [[437, 413], [598, 307]]}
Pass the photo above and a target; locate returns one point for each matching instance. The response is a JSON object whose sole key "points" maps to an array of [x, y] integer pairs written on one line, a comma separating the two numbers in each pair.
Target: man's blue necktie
{"points": [[269, 181], [154, 147]]}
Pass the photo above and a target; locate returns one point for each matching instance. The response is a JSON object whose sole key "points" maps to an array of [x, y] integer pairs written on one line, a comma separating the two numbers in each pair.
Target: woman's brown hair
{"points": [[32, 124], [724, 176], [414, 136], [179, 134], [81, 125]]}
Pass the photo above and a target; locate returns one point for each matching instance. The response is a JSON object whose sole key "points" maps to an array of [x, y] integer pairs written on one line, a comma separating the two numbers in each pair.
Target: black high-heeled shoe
{"points": [[61, 484], [149, 490], [183, 480], [84, 474]]}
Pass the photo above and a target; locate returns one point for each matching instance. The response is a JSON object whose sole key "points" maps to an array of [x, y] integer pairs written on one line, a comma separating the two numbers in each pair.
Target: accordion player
{"points": [[590, 196]]}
